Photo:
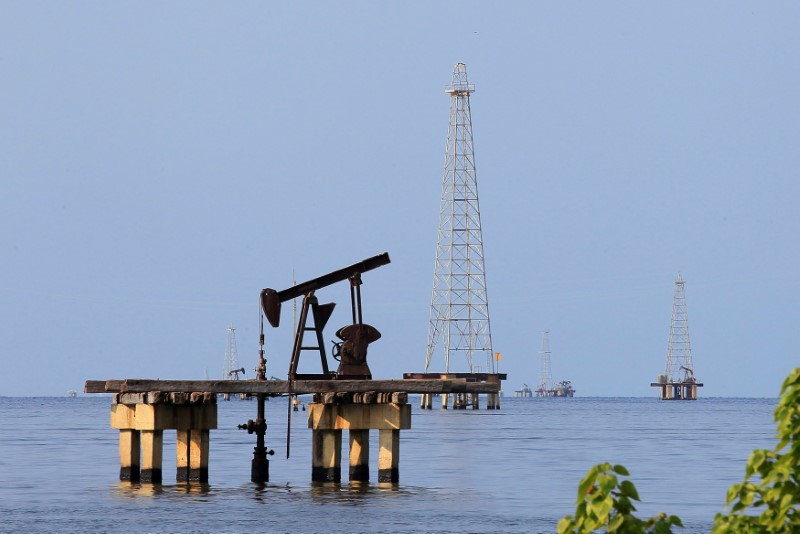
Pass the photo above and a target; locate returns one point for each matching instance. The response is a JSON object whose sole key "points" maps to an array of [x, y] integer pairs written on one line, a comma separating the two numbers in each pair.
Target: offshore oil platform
{"points": [[459, 314], [678, 381], [347, 397], [547, 387]]}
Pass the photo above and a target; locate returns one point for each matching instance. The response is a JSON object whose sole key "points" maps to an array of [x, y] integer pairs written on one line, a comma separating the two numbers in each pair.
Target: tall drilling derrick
{"points": [[459, 315], [544, 367], [678, 380], [679, 349], [231, 369]]}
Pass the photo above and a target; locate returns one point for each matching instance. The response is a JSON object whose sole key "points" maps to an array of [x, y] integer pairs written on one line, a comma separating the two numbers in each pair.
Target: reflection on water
{"points": [[354, 492], [136, 489]]}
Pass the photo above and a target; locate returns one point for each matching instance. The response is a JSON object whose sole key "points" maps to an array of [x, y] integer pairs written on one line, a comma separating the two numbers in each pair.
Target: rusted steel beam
{"points": [[282, 386]]}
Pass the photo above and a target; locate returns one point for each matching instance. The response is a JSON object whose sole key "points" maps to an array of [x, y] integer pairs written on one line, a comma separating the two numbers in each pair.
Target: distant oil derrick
{"points": [[678, 381], [546, 387], [544, 366], [231, 369]]}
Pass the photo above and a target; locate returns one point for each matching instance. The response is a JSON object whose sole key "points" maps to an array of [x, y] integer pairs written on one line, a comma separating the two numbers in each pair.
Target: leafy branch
{"points": [[766, 502]]}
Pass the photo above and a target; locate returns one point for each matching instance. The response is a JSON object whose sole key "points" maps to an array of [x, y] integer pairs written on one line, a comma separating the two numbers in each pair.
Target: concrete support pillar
{"points": [[129, 447], [445, 396], [359, 455], [198, 455], [476, 403], [389, 456], [426, 401], [182, 442], [326, 456], [152, 444]]}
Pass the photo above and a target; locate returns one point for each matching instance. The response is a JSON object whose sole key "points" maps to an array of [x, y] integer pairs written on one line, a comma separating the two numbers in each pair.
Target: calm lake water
{"points": [[516, 470]]}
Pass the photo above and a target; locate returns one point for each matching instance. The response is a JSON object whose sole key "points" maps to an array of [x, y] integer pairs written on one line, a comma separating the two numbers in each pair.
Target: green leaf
{"points": [[629, 490], [565, 525], [615, 523], [620, 470]]}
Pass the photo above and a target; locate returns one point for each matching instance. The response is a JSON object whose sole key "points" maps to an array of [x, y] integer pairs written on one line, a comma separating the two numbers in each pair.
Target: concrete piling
{"points": [[198, 455], [152, 444], [129, 447], [358, 414], [326, 456], [359, 455], [389, 456], [142, 409], [142, 418], [182, 456], [426, 401]]}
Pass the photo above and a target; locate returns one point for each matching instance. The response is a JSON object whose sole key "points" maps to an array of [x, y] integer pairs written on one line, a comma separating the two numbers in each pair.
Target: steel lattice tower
{"points": [[231, 361], [459, 314], [679, 352], [544, 366]]}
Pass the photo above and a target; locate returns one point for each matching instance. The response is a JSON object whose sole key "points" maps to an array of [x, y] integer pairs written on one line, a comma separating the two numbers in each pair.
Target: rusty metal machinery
{"points": [[351, 352]]}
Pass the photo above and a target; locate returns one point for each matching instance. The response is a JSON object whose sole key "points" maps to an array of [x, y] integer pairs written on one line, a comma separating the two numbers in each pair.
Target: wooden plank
{"points": [[95, 386], [283, 387]]}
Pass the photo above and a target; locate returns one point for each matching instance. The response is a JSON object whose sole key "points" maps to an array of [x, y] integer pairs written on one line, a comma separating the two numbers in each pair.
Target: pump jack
{"points": [[351, 352]]}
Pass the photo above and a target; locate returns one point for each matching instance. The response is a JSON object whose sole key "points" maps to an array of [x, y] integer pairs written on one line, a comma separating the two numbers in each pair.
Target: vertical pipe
{"points": [[259, 468]]}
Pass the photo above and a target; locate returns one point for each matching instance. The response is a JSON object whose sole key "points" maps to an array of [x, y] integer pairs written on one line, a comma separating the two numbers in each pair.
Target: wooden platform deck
{"points": [[285, 387]]}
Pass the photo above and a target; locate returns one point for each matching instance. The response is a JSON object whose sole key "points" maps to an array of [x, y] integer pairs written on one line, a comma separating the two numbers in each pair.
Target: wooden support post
{"points": [[359, 455], [326, 456], [198, 455], [152, 444], [389, 456], [129, 446], [182, 442]]}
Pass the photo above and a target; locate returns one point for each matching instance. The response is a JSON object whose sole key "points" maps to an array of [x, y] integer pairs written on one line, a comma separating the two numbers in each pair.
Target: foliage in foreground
{"points": [[604, 500], [770, 505]]}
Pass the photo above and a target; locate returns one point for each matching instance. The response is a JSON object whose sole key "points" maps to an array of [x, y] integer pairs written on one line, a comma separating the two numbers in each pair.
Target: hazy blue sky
{"points": [[160, 163]]}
